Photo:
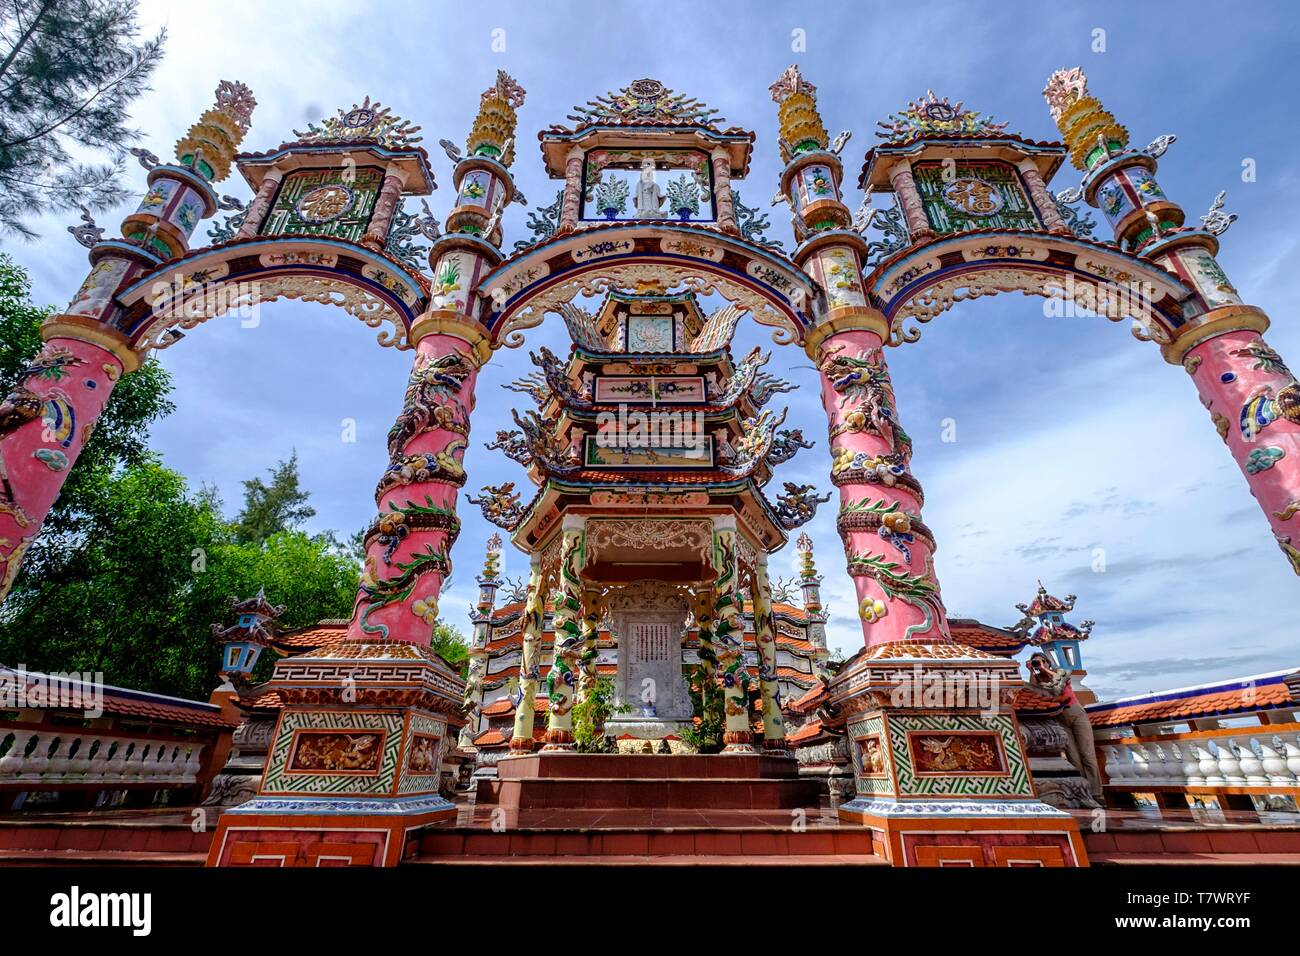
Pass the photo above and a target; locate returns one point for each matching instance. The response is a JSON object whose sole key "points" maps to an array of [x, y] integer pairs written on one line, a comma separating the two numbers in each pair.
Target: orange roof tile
{"points": [[807, 732], [811, 698], [139, 704], [1031, 702], [1245, 699], [985, 637], [323, 634]]}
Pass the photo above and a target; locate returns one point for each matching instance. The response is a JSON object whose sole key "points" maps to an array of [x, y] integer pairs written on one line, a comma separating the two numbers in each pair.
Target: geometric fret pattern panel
{"points": [[957, 755], [334, 752]]}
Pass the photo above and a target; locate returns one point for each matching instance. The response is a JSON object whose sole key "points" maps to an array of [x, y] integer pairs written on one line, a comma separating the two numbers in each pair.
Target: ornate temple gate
{"points": [[973, 218]]}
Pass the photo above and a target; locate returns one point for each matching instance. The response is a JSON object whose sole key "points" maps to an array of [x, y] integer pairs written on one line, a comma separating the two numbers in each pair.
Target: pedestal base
{"points": [[354, 766], [323, 831], [969, 833], [648, 782]]}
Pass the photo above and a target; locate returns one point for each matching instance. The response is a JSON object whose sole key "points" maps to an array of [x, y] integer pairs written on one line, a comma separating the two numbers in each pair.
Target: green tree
{"points": [[590, 715], [69, 70], [118, 600], [451, 644], [707, 706], [279, 506]]}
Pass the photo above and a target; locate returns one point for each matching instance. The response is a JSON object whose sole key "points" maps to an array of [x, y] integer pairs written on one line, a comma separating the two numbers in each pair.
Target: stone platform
{"points": [[647, 782]]}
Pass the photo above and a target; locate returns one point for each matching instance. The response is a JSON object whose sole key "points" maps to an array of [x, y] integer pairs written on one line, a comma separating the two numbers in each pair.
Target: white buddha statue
{"points": [[649, 197]]}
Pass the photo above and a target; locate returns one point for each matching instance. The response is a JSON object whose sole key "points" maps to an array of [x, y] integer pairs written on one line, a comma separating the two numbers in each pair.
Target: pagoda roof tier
{"points": [[675, 496], [881, 159], [644, 114]]}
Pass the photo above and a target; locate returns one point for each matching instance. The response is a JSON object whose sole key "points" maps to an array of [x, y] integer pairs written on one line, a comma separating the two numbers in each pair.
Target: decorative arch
{"points": [[519, 293], [924, 281], [209, 282]]}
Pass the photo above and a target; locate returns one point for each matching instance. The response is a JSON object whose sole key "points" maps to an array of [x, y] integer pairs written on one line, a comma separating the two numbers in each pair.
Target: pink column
{"points": [[909, 199], [44, 422], [390, 194], [1254, 401], [887, 546], [260, 205], [1042, 199], [572, 192], [722, 201], [408, 548]]}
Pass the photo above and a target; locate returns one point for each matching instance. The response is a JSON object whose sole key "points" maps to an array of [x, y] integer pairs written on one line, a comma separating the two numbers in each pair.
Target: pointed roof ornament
{"points": [[789, 83], [493, 132], [646, 102], [802, 129], [1064, 89], [506, 89], [1045, 616], [1089, 130], [208, 147], [932, 116], [365, 123]]}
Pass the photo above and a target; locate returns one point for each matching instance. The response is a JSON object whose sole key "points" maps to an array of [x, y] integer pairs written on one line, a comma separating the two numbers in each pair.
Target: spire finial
{"points": [[802, 129], [209, 146], [1088, 129], [493, 133]]}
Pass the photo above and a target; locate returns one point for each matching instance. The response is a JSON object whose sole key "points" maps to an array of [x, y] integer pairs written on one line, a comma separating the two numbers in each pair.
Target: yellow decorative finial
{"points": [[1090, 132], [209, 146], [493, 133], [801, 124]]}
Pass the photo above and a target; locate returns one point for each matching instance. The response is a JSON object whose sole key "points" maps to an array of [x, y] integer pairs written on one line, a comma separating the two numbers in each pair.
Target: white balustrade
{"points": [[1249, 763], [1229, 764], [44, 759], [1117, 771], [1266, 756], [1209, 764], [1292, 754]]}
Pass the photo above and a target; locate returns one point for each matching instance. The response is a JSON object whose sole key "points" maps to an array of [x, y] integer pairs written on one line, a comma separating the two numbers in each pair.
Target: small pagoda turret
{"points": [[242, 642], [1043, 623], [650, 447]]}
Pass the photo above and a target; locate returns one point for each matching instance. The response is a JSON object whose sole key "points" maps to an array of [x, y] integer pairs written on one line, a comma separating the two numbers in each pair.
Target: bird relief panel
{"points": [[95, 297], [452, 281], [669, 184], [1208, 277], [948, 754]]}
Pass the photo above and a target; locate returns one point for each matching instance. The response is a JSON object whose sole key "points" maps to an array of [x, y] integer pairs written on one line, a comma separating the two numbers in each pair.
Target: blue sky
{"points": [[1071, 435]]}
